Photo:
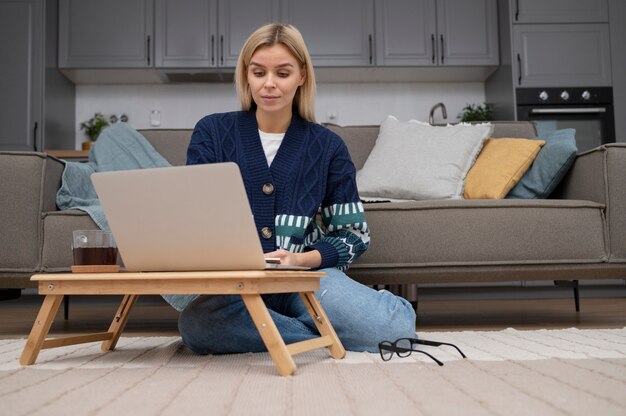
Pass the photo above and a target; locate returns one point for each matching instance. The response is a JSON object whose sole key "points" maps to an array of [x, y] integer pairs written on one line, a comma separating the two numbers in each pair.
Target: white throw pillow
{"points": [[414, 160]]}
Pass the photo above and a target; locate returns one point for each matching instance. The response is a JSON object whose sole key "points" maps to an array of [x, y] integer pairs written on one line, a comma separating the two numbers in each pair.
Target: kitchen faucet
{"points": [[432, 112]]}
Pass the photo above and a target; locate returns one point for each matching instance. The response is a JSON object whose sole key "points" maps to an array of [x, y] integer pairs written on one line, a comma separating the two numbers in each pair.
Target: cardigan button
{"points": [[268, 189], [266, 232]]}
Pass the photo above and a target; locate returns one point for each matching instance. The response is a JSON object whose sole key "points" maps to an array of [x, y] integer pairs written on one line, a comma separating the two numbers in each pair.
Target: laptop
{"points": [[182, 218]]}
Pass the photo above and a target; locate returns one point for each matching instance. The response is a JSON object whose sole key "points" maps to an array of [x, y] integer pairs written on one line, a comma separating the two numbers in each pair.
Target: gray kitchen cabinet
{"points": [[337, 33], [406, 33], [37, 101], [237, 20], [559, 11], [436, 32], [618, 63], [468, 32], [567, 55], [185, 33], [21, 45], [207, 33], [105, 34]]}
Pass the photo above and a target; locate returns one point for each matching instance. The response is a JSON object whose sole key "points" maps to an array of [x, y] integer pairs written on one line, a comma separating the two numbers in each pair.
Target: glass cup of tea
{"points": [[93, 247]]}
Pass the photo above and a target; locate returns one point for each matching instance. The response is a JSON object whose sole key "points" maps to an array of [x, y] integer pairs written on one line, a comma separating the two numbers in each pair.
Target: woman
{"points": [[291, 168]]}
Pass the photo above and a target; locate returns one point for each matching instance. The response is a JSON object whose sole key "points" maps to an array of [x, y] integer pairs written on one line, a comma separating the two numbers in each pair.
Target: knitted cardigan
{"points": [[312, 172]]}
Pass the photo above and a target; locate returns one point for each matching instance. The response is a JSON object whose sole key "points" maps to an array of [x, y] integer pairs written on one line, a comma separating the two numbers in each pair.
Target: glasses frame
{"points": [[405, 352]]}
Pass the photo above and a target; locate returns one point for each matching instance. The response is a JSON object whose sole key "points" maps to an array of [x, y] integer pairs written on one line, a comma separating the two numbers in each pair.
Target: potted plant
{"points": [[92, 128], [476, 112]]}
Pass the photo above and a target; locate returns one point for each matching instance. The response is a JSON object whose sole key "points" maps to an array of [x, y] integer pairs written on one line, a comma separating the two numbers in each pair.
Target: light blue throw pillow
{"points": [[550, 166]]}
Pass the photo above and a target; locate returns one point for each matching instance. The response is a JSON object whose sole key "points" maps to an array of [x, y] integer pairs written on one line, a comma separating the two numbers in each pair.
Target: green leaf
{"points": [[476, 112], [93, 127]]}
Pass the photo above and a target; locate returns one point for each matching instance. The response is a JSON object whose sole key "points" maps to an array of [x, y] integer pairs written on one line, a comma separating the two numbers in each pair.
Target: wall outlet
{"points": [[155, 118], [114, 118]]}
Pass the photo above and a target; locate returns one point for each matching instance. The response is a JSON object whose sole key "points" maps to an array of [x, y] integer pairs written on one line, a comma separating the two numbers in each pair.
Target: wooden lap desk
{"points": [[249, 284]]}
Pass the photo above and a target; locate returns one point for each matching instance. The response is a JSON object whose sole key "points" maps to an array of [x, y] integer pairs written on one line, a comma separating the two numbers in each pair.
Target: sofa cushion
{"points": [[550, 166], [21, 174], [361, 139], [57, 237], [170, 143], [520, 129], [499, 167], [484, 232], [413, 160]]}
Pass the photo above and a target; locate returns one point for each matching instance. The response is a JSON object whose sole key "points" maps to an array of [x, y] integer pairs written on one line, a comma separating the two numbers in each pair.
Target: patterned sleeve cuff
{"points": [[330, 256]]}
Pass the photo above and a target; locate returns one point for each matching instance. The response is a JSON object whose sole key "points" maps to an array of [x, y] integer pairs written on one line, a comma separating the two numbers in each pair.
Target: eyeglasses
{"points": [[403, 347]]}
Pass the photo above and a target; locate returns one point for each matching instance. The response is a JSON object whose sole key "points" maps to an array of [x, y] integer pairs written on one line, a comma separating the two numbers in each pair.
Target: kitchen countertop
{"points": [[68, 154]]}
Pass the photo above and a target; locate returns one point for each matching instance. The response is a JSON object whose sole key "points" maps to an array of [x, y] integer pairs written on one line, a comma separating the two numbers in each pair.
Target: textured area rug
{"points": [[510, 372]]}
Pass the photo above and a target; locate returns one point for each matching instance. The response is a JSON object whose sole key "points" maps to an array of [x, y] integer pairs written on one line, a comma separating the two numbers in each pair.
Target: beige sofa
{"points": [[580, 234]]}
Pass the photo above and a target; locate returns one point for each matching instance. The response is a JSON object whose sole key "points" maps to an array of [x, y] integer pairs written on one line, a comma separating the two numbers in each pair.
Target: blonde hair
{"points": [[270, 35]]}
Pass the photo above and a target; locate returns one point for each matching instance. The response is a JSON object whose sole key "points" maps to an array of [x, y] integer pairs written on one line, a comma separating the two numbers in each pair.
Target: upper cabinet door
{"points": [[237, 20], [337, 33], [467, 32], [437, 32], [564, 55], [406, 32], [559, 11], [21, 48], [105, 34], [207, 33], [185, 33]]}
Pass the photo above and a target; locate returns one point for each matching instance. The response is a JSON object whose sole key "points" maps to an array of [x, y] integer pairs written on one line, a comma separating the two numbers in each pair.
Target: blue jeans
{"points": [[361, 317]]}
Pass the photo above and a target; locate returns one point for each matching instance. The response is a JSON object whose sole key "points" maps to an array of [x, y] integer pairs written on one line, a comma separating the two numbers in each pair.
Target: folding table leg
{"points": [[323, 323], [270, 335], [119, 321], [40, 329]]}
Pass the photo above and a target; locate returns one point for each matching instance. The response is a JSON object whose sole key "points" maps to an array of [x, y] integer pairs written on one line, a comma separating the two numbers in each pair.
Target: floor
{"points": [[438, 310], [546, 387]]}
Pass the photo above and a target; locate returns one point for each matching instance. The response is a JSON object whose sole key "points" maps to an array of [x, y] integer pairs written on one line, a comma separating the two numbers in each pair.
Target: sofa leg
{"points": [[66, 307], [8, 294], [407, 291], [574, 285], [413, 297]]}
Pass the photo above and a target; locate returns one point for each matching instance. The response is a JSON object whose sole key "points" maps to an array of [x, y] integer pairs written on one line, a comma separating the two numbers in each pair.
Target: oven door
{"points": [[594, 124]]}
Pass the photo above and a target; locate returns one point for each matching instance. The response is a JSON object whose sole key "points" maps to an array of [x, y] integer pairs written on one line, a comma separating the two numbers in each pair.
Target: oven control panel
{"points": [[574, 95]]}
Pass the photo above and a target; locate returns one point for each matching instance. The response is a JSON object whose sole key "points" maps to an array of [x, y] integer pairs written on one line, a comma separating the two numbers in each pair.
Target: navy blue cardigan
{"points": [[312, 172]]}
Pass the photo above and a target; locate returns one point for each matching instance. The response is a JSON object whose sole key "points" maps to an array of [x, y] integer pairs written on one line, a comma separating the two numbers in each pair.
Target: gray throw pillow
{"points": [[550, 166], [414, 160]]}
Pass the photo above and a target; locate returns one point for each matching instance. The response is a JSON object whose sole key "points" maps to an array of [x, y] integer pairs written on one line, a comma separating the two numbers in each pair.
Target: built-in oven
{"points": [[588, 110]]}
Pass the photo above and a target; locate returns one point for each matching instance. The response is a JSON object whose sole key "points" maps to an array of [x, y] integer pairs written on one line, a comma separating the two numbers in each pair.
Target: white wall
{"points": [[182, 105]]}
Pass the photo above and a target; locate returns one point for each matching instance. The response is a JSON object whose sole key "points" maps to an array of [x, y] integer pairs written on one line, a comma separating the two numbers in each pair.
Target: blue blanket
{"points": [[119, 147]]}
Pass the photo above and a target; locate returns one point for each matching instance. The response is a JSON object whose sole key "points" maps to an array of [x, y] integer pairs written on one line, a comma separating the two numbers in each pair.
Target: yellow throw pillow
{"points": [[499, 167]]}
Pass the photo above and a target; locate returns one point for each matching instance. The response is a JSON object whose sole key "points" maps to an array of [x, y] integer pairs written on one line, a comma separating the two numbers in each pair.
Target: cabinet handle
{"points": [[442, 53], [516, 10], [371, 52], [35, 136], [222, 50], [432, 42], [212, 49], [519, 69], [148, 49]]}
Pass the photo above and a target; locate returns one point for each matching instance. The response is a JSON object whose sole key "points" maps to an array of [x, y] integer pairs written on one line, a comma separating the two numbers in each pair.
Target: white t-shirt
{"points": [[271, 142]]}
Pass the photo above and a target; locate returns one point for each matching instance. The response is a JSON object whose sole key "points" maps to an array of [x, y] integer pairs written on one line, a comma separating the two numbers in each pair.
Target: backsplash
{"points": [[182, 105]]}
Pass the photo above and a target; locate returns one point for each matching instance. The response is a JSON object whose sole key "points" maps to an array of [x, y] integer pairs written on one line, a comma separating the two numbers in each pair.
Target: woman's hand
{"points": [[312, 259]]}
